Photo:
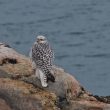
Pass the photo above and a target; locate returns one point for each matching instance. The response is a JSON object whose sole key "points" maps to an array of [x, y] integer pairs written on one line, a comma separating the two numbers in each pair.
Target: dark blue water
{"points": [[79, 31]]}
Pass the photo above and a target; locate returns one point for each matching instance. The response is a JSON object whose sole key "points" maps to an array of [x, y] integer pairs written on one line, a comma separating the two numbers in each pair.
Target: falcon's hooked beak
{"points": [[41, 39]]}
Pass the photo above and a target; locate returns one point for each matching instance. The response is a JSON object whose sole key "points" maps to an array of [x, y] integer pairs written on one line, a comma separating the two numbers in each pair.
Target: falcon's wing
{"points": [[42, 55], [42, 52], [37, 54], [48, 52]]}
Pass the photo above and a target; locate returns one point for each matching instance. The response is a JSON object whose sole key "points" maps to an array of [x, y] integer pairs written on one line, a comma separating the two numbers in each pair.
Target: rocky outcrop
{"points": [[21, 90], [3, 105]]}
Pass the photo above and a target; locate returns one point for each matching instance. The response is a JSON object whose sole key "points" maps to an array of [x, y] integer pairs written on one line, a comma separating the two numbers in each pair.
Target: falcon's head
{"points": [[41, 39]]}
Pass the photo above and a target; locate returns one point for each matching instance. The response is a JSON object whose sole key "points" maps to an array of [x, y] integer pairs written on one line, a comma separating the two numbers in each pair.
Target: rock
{"points": [[22, 96], [21, 90], [64, 86], [4, 105]]}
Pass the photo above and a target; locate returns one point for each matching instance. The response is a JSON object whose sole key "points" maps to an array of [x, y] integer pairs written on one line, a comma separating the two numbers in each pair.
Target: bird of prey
{"points": [[42, 58]]}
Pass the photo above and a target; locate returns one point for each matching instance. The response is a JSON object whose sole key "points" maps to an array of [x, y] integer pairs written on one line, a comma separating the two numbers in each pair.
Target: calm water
{"points": [[79, 31]]}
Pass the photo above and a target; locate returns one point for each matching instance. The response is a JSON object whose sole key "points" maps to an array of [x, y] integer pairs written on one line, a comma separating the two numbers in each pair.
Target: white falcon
{"points": [[42, 58]]}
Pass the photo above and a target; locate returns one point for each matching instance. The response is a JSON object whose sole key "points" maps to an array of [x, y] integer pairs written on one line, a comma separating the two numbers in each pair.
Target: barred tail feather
{"points": [[50, 77], [43, 79]]}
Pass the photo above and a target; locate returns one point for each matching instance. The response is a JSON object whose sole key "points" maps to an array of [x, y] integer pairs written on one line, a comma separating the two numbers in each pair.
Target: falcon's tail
{"points": [[50, 77]]}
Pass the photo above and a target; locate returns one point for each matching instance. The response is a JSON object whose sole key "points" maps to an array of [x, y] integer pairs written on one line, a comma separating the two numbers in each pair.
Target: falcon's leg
{"points": [[37, 74], [43, 79]]}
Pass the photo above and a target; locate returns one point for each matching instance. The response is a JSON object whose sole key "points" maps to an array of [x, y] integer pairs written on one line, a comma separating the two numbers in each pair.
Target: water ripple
{"points": [[17, 42], [76, 33], [103, 55], [60, 57], [78, 65], [75, 45], [45, 20]]}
